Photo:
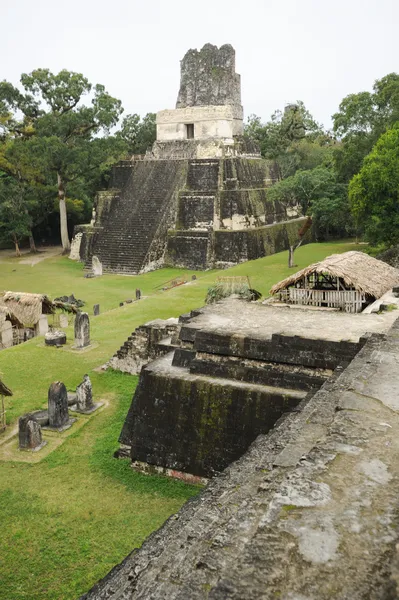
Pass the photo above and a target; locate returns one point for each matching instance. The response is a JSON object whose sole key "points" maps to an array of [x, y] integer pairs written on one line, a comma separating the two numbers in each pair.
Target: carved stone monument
{"points": [[29, 433], [55, 338], [58, 407], [84, 397], [96, 310], [82, 330], [96, 266]]}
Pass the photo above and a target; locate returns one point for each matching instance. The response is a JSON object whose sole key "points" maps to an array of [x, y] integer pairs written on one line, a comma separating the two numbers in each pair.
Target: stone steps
{"points": [[130, 226], [259, 372]]}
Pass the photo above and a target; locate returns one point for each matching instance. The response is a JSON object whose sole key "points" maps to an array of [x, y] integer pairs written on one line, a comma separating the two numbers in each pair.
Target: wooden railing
{"points": [[346, 300]]}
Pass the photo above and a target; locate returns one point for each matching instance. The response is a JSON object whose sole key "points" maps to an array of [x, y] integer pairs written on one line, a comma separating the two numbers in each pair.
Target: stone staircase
{"points": [[131, 225]]}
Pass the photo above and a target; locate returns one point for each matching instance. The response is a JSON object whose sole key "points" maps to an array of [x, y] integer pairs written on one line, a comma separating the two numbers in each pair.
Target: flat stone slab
{"points": [[262, 321], [95, 406], [44, 442], [60, 429]]}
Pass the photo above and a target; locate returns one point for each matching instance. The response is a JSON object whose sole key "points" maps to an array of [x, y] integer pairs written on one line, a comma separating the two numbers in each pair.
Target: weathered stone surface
{"points": [[55, 338], [58, 405], [75, 246], [96, 266], [208, 78], [82, 330], [6, 334], [320, 525], [146, 343], [63, 320], [84, 396], [229, 379], [96, 310], [41, 416], [41, 327], [29, 433], [195, 424]]}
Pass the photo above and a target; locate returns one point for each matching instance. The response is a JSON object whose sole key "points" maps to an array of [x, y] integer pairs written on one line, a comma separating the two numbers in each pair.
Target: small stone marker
{"points": [[82, 330], [84, 397], [138, 294], [29, 433], [96, 310], [41, 327], [129, 301], [63, 320], [121, 303], [58, 406], [96, 266]]}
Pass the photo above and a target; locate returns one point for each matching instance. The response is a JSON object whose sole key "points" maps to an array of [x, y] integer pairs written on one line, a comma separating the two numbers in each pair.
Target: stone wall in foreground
{"points": [[310, 512]]}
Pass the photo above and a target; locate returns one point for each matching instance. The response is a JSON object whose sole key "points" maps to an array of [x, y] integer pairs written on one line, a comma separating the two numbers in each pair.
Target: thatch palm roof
{"points": [[7, 315], [358, 270], [4, 390], [27, 307]]}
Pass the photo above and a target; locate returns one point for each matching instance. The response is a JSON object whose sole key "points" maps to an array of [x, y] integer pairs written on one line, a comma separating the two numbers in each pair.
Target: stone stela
{"points": [[58, 412], [82, 330], [30, 434], [84, 398]]}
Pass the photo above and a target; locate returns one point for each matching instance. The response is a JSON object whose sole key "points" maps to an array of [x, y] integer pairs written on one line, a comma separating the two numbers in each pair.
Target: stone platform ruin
{"points": [[233, 370], [199, 199], [309, 512]]}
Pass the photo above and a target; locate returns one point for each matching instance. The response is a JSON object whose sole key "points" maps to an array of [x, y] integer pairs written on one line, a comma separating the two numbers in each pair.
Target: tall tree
{"points": [[14, 218], [291, 139], [62, 115], [374, 191], [360, 121]]}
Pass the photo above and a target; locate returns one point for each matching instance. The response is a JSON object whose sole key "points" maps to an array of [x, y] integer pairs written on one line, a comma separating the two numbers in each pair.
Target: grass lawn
{"points": [[66, 520]]}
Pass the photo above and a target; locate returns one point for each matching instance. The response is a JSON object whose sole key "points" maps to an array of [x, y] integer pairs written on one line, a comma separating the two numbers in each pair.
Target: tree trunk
{"points": [[32, 244], [291, 251], [66, 246], [17, 250], [290, 257]]}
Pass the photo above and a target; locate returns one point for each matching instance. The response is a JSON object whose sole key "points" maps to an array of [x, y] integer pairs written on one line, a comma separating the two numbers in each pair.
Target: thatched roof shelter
{"points": [[27, 307], [331, 281], [7, 315]]}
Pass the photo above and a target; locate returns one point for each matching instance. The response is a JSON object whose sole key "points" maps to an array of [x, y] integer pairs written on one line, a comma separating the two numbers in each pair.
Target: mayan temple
{"points": [[198, 199]]}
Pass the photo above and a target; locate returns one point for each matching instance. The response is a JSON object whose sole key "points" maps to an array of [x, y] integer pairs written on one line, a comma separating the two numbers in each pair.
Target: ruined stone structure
{"points": [[309, 511], [226, 380], [199, 198], [146, 343]]}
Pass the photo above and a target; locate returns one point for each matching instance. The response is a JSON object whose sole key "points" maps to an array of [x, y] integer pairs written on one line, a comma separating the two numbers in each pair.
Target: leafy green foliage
{"points": [[374, 191], [291, 139], [360, 121], [318, 193], [65, 128], [14, 218], [138, 134]]}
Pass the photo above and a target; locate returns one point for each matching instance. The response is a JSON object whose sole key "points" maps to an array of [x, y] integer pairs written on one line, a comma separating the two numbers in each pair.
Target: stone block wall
{"points": [[200, 406], [146, 343], [197, 214]]}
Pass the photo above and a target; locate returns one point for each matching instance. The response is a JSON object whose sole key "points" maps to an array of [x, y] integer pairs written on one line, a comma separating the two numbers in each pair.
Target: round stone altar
{"points": [[55, 338]]}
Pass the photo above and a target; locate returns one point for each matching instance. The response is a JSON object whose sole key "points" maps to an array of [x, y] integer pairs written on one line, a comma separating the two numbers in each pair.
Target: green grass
{"points": [[66, 521]]}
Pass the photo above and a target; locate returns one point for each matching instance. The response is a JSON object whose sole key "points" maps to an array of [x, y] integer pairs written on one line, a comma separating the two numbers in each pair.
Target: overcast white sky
{"points": [[317, 51]]}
